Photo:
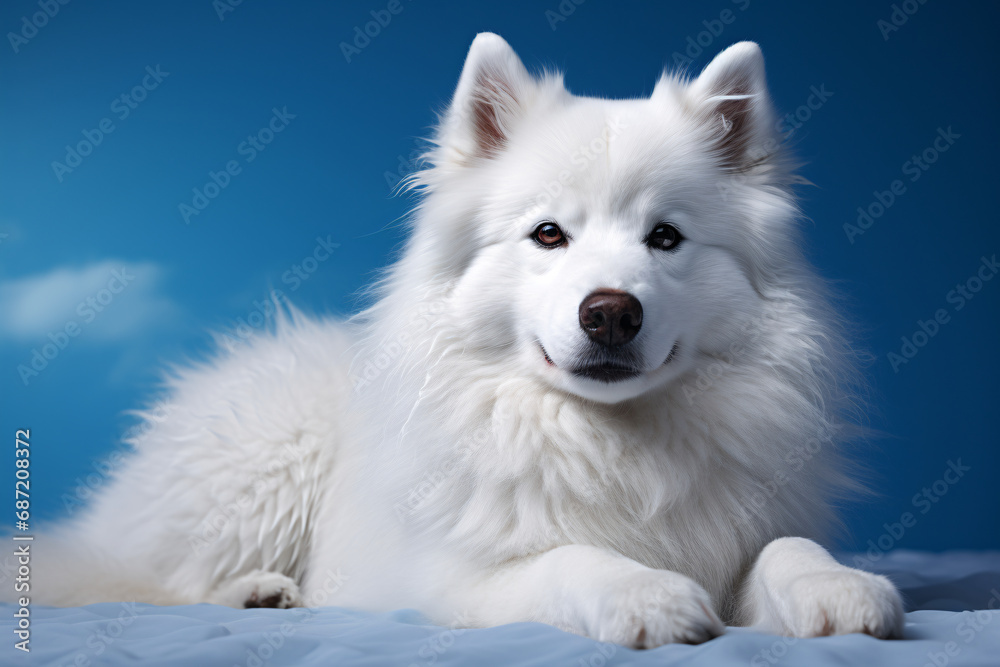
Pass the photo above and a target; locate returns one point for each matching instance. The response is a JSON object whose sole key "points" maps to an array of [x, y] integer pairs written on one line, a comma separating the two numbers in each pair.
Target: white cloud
{"points": [[109, 301]]}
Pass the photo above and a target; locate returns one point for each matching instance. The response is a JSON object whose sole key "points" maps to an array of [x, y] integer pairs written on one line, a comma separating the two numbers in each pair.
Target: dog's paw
{"points": [[648, 609], [259, 589], [842, 602]]}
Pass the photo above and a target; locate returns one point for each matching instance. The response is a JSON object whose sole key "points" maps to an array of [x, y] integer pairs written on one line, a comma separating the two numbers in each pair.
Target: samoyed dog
{"points": [[601, 389]]}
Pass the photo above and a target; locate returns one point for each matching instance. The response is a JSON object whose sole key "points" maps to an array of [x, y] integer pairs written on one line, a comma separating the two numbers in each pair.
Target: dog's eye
{"points": [[548, 235], [664, 237]]}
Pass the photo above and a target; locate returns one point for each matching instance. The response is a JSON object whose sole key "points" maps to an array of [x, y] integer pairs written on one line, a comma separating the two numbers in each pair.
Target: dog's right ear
{"points": [[491, 97], [731, 96]]}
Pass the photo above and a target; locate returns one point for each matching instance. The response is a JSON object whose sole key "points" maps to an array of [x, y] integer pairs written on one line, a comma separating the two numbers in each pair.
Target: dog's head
{"points": [[605, 246]]}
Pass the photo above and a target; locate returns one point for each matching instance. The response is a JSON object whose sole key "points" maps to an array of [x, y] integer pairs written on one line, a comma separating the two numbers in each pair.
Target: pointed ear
{"points": [[491, 97], [730, 95]]}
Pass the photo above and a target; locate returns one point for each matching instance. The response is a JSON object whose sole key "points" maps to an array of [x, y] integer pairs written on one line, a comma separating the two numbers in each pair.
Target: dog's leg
{"points": [[258, 589], [596, 593], [796, 588]]}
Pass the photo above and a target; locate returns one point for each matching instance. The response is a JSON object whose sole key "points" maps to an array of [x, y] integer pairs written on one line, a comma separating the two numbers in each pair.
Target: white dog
{"points": [[601, 389]]}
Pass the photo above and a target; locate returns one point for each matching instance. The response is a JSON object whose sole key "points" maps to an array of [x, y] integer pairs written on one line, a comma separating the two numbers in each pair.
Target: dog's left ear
{"points": [[731, 96], [491, 98]]}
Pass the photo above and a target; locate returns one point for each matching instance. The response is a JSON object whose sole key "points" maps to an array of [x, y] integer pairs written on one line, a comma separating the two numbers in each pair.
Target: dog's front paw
{"points": [[647, 609], [259, 589], [842, 602]]}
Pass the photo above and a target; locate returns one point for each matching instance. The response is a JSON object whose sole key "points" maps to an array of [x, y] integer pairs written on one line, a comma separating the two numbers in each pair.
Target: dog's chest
{"points": [[621, 490]]}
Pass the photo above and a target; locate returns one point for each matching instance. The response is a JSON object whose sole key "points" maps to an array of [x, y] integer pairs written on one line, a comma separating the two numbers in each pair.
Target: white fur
{"points": [[425, 454]]}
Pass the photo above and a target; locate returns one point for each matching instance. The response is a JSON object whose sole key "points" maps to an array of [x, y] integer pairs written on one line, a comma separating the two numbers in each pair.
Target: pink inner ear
{"points": [[737, 115], [492, 99]]}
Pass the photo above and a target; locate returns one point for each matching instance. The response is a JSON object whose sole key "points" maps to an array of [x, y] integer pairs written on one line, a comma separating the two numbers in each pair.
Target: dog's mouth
{"points": [[673, 353], [608, 371]]}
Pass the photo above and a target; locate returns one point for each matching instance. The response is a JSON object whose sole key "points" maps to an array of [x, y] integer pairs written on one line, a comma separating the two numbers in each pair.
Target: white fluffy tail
{"points": [[64, 572]]}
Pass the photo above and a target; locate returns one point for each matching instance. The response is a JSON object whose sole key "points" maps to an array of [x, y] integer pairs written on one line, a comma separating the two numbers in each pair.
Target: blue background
{"points": [[356, 123]]}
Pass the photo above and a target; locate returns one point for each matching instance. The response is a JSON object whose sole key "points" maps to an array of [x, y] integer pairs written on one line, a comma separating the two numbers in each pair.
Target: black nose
{"points": [[611, 317]]}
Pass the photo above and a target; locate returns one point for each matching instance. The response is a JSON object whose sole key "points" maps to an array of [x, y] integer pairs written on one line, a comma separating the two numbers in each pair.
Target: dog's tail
{"points": [[63, 570]]}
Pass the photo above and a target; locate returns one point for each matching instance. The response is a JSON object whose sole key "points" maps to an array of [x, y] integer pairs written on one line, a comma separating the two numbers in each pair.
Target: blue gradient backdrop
{"points": [[886, 94]]}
